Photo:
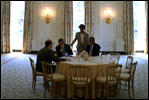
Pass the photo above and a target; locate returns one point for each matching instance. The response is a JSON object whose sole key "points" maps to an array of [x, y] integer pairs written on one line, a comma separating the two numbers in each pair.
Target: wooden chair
{"points": [[111, 78], [79, 77], [116, 57], [49, 76], [34, 73], [128, 66], [129, 77]]}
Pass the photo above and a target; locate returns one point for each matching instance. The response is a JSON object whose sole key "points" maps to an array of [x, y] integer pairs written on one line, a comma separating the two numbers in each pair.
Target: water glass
{"points": [[73, 59], [81, 60], [108, 57], [100, 55], [66, 54]]}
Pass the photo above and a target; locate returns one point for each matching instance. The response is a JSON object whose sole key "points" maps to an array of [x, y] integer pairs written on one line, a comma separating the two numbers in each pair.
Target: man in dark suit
{"points": [[63, 48], [47, 55], [92, 48]]}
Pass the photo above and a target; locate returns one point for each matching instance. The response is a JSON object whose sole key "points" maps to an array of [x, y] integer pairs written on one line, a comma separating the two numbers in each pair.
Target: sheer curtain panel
{"points": [[128, 27], [27, 34], [68, 21], [89, 17]]}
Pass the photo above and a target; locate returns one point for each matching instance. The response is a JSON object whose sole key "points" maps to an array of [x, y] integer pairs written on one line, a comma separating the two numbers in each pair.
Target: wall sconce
{"points": [[108, 16], [47, 16]]}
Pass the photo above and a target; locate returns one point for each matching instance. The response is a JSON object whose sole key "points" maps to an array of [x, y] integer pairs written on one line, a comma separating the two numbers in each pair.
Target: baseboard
{"points": [[108, 52], [17, 50], [34, 52], [103, 52], [137, 51]]}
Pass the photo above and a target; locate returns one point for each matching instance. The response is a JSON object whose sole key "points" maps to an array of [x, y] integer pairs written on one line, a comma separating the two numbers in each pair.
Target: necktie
{"points": [[63, 51]]}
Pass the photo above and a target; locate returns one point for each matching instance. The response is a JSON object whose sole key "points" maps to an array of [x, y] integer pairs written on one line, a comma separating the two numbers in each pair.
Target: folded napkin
{"points": [[83, 54]]}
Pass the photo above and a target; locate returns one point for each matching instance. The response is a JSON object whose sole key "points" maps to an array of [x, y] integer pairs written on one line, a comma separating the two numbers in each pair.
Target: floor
{"points": [[16, 78]]}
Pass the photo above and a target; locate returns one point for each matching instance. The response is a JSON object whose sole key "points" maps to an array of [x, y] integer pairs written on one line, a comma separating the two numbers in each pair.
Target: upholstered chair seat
{"points": [[81, 78]]}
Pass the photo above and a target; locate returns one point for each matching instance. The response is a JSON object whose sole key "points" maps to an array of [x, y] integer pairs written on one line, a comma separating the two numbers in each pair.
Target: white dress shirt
{"points": [[91, 49]]}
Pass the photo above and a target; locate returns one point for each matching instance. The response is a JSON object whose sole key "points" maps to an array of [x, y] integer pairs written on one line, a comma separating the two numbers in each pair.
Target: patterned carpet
{"points": [[5, 58], [16, 78]]}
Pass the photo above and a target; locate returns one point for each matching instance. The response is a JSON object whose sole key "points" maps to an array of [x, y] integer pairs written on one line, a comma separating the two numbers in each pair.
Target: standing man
{"points": [[82, 38], [63, 48], [93, 49]]}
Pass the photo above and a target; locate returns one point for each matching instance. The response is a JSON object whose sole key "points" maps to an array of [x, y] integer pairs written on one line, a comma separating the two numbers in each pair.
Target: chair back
{"points": [[133, 69], [79, 73], [47, 70], [129, 62], [118, 70], [113, 72], [32, 65], [116, 57]]}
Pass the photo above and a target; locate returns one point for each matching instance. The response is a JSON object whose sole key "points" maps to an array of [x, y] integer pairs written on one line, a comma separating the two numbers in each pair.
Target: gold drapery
{"points": [[128, 27], [27, 34], [5, 26], [89, 17], [68, 21]]}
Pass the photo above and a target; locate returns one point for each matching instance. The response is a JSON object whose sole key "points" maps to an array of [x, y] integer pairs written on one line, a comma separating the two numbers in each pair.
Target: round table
{"points": [[97, 67]]}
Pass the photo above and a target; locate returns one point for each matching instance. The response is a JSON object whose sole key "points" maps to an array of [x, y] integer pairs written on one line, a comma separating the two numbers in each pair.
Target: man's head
{"points": [[61, 41], [91, 40], [82, 27], [48, 43]]}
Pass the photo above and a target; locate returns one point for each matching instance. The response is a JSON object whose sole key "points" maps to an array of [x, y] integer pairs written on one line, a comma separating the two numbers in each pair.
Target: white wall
{"points": [[110, 37], [43, 31]]}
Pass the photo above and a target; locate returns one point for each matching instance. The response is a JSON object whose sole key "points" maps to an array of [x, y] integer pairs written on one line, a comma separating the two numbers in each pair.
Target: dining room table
{"points": [[97, 67]]}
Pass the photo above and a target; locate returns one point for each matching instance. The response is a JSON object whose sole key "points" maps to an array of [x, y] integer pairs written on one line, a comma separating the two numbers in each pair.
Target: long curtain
{"points": [[128, 27], [5, 26], [89, 17], [146, 7], [68, 21], [27, 34]]}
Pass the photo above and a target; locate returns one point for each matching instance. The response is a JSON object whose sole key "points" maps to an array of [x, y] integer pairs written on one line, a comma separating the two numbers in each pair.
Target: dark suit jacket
{"points": [[96, 49], [46, 55], [67, 49]]}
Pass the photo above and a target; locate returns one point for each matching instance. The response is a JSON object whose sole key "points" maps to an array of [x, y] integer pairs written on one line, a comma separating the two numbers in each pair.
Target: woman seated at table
{"points": [[92, 48], [63, 48]]}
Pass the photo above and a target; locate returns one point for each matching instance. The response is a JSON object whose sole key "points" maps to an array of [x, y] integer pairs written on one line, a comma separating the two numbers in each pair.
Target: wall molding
{"points": [[107, 31], [120, 45], [103, 52], [110, 37], [47, 31]]}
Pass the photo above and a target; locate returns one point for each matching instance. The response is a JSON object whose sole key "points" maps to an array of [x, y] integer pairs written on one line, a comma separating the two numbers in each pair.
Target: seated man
{"points": [[47, 55], [92, 48], [63, 48]]}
